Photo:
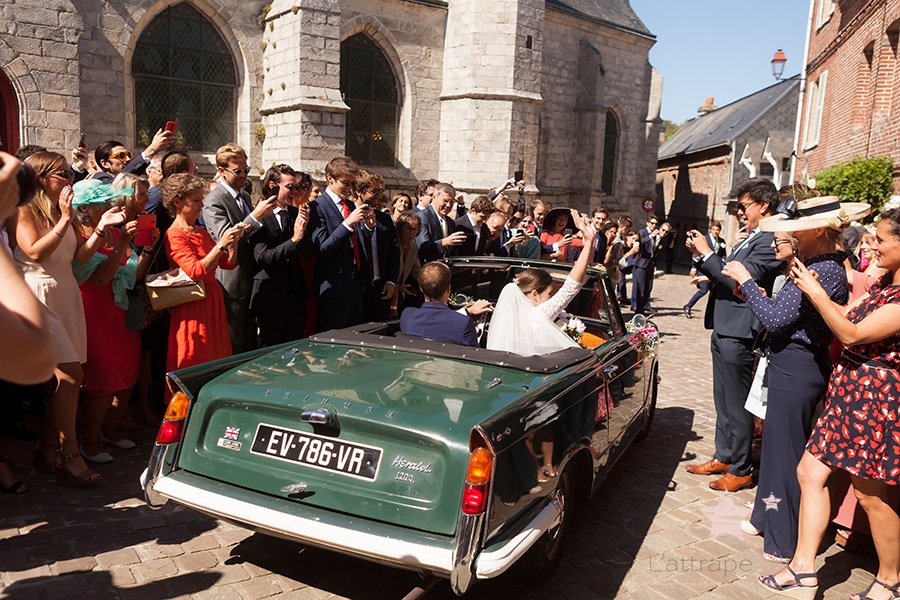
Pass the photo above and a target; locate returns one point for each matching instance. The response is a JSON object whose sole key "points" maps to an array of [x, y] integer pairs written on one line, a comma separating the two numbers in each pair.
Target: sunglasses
{"points": [[65, 174], [376, 192], [124, 155], [293, 187], [245, 171]]}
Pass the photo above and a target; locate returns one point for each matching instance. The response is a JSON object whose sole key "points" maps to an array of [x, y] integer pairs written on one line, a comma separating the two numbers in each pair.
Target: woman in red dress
{"points": [[859, 431], [199, 330], [558, 236]]}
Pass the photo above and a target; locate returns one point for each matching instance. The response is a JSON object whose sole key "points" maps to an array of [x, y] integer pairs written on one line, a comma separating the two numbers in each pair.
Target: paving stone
{"points": [[126, 556]]}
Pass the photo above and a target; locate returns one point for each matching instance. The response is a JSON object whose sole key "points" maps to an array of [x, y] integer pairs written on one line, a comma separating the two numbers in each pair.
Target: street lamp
{"points": [[778, 64]]}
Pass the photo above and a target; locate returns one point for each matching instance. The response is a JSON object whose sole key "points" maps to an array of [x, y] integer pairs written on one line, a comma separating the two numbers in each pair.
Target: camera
{"points": [[27, 181]]}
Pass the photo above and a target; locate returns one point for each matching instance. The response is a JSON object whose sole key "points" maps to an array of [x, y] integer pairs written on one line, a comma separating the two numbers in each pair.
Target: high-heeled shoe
{"points": [[63, 469], [44, 460], [548, 471], [15, 486]]}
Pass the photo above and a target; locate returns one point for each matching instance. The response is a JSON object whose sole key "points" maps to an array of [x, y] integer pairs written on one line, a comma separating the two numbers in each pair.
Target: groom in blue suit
{"points": [[734, 330], [435, 320]]}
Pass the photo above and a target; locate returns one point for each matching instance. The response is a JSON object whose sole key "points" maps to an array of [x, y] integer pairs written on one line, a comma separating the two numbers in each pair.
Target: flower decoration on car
{"points": [[647, 337], [572, 326]]}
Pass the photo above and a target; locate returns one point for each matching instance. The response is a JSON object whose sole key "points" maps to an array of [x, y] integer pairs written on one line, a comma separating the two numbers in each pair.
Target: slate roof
{"points": [[617, 13], [722, 126]]}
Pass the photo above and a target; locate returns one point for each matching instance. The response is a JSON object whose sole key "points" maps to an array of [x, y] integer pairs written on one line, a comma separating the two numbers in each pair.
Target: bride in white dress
{"points": [[523, 320]]}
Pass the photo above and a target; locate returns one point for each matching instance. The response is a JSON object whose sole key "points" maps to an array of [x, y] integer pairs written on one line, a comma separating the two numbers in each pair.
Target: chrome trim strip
{"points": [[468, 536]]}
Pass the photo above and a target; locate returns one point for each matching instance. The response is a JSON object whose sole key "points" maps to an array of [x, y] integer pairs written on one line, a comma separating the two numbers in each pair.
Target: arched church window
{"points": [[184, 72], [369, 88], [610, 151]]}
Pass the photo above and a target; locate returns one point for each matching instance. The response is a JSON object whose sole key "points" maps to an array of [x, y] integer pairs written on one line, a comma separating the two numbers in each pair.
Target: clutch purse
{"points": [[173, 287]]}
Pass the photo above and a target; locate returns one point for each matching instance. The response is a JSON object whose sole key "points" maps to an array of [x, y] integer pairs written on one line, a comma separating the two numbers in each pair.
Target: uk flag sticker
{"points": [[229, 440]]}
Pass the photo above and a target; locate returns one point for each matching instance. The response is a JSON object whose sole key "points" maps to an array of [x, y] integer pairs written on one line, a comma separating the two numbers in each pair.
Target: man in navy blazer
{"points": [[473, 224], [435, 320], [734, 330], [437, 241], [382, 249], [278, 299], [644, 264], [334, 223]]}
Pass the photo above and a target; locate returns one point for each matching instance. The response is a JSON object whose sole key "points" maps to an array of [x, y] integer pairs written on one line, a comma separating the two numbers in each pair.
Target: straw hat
{"points": [[826, 211]]}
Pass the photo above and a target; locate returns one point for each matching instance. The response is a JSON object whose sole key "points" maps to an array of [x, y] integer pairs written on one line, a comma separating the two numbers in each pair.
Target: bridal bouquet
{"points": [[572, 326], [647, 336]]}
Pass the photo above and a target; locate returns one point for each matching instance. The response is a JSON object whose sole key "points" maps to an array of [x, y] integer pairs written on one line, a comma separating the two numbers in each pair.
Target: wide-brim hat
{"points": [[94, 191], [826, 211], [553, 214]]}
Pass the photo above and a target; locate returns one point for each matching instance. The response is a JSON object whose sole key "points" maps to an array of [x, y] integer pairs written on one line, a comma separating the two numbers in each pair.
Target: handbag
{"points": [[172, 288], [140, 314]]}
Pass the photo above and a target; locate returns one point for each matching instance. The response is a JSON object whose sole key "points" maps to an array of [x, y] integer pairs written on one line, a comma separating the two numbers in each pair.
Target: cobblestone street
{"points": [[653, 531]]}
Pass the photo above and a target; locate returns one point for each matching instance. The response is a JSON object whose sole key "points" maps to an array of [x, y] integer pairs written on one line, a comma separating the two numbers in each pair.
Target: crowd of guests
{"points": [[816, 296]]}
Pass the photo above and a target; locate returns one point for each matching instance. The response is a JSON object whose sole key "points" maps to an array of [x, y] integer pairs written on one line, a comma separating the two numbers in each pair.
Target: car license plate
{"points": [[319, 452]]}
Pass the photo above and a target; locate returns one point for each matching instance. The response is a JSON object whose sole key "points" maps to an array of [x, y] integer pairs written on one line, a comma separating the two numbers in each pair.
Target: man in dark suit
{"points": [[223, 208], [717, 244], [278, 300], [473, 225], [382, 249], [435, 320], [644, 265], [334, 222], [734, 329], [439, 237], [424, 194]]}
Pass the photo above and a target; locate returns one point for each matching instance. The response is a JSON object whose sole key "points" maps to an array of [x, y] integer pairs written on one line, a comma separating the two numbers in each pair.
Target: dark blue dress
{"points": [[797, 377]]}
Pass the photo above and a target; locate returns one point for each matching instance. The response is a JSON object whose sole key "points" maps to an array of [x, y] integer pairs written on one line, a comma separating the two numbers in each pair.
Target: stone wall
{"points": [[486, 87]]}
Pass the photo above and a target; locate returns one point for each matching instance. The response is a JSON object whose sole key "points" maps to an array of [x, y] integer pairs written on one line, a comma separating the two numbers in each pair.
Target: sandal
{"points": [[548, 471], [16, 487], [792, 590], [864, 595], [63, 472]]}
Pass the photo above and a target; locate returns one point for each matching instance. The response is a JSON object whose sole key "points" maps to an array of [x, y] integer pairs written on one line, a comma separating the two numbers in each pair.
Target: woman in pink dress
{"points": [[113, 354], [199, 329]]}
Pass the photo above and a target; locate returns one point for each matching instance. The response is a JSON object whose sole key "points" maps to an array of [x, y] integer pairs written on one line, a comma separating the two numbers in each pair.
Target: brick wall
{"points": [[861, 107]]}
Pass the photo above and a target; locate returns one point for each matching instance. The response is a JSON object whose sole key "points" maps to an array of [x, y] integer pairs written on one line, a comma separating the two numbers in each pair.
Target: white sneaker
{"points": [[748, 528]]}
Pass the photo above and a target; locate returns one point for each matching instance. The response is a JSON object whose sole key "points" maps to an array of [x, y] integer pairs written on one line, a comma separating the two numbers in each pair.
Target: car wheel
{"points": [[543, 557], [648, 414]]}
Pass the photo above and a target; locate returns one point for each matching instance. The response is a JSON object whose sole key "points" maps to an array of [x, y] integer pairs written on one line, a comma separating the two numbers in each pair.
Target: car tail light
{"points": [[478, 481], [172, 427]]}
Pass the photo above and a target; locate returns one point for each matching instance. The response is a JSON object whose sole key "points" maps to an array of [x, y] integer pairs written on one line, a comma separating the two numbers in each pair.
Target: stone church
{"points": [[465, 91]]}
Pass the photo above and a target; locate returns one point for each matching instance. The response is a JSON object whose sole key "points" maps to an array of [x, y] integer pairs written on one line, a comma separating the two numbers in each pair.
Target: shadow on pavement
{"points": [[99, 585]]}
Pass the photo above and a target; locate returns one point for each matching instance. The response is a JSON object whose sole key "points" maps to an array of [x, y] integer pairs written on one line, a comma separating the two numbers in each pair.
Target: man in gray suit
{"points": [[734, 330], [224, 207]]}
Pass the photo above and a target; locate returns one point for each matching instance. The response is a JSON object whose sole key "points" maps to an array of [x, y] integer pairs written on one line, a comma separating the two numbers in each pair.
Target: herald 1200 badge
{"points": [[229, 440]]}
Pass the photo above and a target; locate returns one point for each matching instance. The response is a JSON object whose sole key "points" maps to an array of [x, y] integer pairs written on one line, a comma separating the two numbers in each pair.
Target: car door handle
{"points": [[610, 370]]}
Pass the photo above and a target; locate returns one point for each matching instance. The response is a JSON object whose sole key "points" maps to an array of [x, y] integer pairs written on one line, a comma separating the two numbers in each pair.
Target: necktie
{"points": [[740, 246], [345, 210], [370, 259], [443, 225], [243, 204], [282, 220]]}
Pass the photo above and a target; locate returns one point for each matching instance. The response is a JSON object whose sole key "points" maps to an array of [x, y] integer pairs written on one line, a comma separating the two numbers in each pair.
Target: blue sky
{"points": [[720, 48]]}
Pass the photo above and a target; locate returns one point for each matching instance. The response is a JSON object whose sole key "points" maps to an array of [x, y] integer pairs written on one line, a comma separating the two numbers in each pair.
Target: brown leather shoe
{"points": [[731, 483], [710, 467]]}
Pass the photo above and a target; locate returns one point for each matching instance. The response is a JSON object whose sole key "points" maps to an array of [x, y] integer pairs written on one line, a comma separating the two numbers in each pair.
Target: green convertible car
{"points": [[453, 461]]}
